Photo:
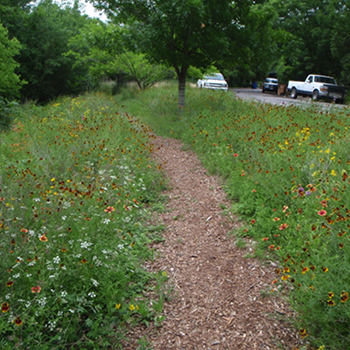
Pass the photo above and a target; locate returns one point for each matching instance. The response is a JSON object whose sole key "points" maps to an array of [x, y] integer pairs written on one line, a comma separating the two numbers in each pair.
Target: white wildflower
{"points": [[94, 282]]}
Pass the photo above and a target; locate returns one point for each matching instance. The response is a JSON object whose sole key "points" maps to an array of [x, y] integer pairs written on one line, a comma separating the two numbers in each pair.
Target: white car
{"points": [[213, 81]]}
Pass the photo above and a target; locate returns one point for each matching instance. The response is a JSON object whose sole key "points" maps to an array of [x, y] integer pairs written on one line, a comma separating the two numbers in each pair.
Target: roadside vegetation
{"points": [[78, 188], [287, 173]]}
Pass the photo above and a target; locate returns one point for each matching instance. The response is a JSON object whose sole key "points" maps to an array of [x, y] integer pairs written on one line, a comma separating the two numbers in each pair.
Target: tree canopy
{"points": [[181, 33], [243, 39], [10, 82]]}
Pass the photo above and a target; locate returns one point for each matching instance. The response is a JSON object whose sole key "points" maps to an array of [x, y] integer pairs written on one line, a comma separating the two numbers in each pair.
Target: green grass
{"points": [[287, 172], [77, 189]]}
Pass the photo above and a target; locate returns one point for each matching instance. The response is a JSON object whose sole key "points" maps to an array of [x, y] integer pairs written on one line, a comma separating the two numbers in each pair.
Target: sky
{"points": [[90, 10]]}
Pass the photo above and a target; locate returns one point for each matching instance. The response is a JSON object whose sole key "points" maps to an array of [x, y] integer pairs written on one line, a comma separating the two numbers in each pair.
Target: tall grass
{"points": [[287, 173], [76, 194]]}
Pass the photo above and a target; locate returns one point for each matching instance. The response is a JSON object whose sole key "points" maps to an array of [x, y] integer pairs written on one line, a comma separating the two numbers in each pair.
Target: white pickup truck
{"points": [[317, 86]]}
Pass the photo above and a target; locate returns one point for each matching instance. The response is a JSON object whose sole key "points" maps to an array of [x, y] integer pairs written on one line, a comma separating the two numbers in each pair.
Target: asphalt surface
{"points": [[268, 97]]}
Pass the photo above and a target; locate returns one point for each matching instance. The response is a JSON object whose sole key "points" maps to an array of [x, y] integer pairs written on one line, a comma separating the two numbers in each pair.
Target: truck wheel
{"points": [[294, 93], [315, 95]]}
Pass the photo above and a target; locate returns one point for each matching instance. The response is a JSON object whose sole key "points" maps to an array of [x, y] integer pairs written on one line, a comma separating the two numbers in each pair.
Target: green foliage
{"points": [[10, 82], [8, 111], [180, 34], [77, 189], [103, 49], [288, 171], [140, 70], [44, 33], [317, 37]]}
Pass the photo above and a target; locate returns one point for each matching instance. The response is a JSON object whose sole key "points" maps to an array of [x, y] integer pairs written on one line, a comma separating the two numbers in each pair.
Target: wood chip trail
{"points": [[217, 301]]}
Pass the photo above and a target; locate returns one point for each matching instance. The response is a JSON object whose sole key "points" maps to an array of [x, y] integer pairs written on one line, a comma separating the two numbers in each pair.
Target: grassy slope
{"points": [[286, 170]]}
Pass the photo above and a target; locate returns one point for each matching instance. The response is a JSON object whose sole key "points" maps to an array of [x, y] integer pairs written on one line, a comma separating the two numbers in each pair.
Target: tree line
{"points": [[47, 50]]}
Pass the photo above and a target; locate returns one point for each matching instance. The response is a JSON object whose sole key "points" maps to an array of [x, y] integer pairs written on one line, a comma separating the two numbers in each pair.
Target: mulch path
{"points": [[217, 301]]}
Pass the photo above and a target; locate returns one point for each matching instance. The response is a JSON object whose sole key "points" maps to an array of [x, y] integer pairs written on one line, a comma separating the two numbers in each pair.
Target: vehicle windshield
{"points": [[271, 81], [216, 76], [327, 80]]}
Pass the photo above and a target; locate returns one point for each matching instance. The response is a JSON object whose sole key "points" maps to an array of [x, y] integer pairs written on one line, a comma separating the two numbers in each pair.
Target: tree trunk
{"points": [[181, 77]]}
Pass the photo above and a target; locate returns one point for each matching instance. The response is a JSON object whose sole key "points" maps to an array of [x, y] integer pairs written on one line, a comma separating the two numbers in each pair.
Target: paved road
{"points": [[258, 96]]}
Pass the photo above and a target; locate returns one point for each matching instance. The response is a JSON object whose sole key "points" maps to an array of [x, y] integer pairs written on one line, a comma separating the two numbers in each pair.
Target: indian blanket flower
{"points": [[43, 238], [311, 188], [276, 219], [109, 209], [17, 321], [303, 333], [285, 278], [324, 203], [235, 154], [265, 239], [253, 221], [5, 307], [271, 247], [9, 284], [304, 270], [322, 213], [283, 226], [285, 208], [344, 297], [36, 289]]}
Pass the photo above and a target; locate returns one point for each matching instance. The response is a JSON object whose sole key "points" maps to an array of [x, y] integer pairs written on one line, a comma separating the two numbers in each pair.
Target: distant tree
{"points": [[13, 13], [311, 25], [10, 82], [105, 50], [181, 33], [340, 42], [44, 29], [44, 35]]}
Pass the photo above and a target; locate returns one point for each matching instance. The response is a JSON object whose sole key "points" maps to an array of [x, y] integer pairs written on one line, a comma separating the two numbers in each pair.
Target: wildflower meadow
{"points": [[77, 188], [287, 171]]}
